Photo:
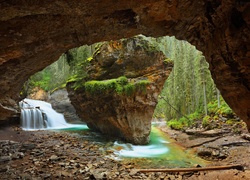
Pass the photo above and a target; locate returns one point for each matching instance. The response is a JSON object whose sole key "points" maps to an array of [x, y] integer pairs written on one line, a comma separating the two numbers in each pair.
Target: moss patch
{"points": [[120, 86]]}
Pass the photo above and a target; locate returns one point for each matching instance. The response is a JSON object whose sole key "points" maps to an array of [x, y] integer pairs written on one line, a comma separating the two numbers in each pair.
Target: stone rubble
{"points": [[59, 155]]}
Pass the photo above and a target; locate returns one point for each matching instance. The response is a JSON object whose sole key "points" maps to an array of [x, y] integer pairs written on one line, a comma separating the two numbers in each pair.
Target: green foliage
{"points": [[41, 79], [206, 121], [176, 124], [195, 116], [120, 85], [224, 109], [179, 124], [81, 62], [53, 76], [210, 121], [184, 88], [184, 121], [90, 59], [168, 60]]}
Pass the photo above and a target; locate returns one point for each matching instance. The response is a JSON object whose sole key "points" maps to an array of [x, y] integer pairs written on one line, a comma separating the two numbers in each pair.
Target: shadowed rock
{"points": [[130, 75], [35, 33]]}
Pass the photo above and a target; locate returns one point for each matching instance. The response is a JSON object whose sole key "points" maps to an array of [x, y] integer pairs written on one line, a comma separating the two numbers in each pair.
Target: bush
{"points": [[179, 124], [206, 121], [224, 109], [175, 124]]}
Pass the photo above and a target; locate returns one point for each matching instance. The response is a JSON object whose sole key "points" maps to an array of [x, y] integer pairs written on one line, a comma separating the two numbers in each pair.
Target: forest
{"points": [[189, 97]]}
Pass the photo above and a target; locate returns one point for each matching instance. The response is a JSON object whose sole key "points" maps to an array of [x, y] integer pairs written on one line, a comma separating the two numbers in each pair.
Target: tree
{"points": [[189, 86]]}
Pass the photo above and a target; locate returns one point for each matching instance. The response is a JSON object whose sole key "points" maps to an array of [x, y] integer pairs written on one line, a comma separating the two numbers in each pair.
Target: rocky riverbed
{"points": [[63, 155], [60, 155]]}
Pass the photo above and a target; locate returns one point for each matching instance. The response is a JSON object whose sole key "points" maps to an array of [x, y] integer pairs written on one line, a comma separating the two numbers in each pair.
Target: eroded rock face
{"points": [[34, 34], [115, 111]]}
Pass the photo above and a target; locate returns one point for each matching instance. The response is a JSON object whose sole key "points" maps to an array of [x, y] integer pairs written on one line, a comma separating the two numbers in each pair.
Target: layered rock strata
{"points": [[35, 33], [128, 77]]}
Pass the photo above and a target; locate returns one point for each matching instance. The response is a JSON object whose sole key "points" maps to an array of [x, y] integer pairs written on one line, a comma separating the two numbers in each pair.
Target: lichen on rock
{"points": [[120, 94]]}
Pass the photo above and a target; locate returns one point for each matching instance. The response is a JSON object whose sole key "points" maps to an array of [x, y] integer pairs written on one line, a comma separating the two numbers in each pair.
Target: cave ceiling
{"points": [[33, 34]]}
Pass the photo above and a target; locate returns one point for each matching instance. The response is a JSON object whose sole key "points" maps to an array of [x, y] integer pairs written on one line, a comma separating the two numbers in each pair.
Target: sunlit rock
{"points": [[119, 98]]}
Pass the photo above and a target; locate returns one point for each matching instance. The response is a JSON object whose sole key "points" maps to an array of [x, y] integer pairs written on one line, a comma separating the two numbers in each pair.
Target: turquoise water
{"points": [[161, 152], [75, 127]]}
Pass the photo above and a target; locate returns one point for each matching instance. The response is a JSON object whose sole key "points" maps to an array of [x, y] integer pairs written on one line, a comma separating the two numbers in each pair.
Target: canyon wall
{"points": [[33, 34]]}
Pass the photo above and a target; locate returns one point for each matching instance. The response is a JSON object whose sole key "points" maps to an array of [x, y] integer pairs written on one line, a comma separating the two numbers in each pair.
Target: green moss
{"points": [[167, 61], [100, 86], [120, 86], [122, 80], [128, 89]]}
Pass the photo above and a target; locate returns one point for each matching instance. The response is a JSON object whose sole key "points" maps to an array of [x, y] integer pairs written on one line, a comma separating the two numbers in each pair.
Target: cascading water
{"points": [[160, 152], [32, 118], [158, 146], [38, 115]]}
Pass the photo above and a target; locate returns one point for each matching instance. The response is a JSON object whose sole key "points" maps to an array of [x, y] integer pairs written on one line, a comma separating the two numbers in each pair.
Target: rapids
{"points": [[161, 152]]}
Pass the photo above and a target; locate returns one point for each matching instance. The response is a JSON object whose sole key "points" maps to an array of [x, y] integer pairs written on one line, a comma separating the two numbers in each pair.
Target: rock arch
{"points": [[35, 34]]}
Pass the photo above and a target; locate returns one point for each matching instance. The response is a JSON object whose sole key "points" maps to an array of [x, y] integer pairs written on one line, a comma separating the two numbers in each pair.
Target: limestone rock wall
{"points": [[124, 114], [34, 34]]}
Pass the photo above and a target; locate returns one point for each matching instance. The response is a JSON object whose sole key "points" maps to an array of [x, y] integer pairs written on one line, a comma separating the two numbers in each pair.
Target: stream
{"points": [[161, 152]]}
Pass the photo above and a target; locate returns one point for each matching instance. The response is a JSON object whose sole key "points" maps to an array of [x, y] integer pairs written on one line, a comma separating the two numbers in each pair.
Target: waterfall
{"points": [[38, 115]]}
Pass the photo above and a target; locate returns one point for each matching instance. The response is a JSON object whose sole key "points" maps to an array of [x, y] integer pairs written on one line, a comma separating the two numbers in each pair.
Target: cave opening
{"points": [[188, 101], [188, 92], [33, 34]]}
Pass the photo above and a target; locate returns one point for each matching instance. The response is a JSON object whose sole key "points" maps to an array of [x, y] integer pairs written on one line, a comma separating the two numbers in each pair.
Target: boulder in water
{"points": [[119, 98]]}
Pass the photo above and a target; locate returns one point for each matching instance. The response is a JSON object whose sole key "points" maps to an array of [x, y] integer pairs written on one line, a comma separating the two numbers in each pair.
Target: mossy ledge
{"points": [[121, 86]]}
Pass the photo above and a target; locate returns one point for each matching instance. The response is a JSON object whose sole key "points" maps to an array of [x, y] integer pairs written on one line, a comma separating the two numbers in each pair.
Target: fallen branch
{"points": [[238, 167], [200, 144]]}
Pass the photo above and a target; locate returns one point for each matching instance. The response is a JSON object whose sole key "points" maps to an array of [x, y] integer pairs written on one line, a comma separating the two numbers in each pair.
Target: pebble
{"points": [[54, 158], [61, 156]]}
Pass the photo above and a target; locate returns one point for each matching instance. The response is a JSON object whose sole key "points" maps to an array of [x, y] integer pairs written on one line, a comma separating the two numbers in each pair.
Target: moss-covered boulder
{"points": [[120, 94]]}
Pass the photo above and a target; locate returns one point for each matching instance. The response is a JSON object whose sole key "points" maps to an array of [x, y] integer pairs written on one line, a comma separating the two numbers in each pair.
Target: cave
{"points": [[35, 34]]}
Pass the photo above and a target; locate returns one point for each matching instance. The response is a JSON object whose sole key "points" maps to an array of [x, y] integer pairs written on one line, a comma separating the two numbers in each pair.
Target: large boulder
{"points": [[120, 95]]}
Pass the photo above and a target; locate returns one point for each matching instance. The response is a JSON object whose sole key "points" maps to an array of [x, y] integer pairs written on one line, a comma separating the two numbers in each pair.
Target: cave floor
{"points": [[60, 155]]}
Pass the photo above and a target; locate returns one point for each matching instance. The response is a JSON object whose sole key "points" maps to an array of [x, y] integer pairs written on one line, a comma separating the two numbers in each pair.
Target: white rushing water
{"points": [[39, 115], [156, 147]]}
